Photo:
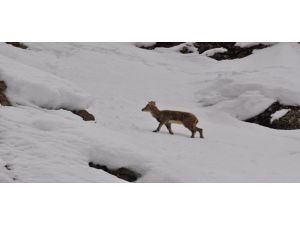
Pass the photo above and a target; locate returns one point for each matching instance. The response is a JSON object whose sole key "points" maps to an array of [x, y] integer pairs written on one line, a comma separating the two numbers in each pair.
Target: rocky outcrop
{"points": [[85, 115], [162, 44], [122, 173], [236, 52], [3, 99], [186, 50], [17, 45], [233, 51], [204, 46], [289, 121]]}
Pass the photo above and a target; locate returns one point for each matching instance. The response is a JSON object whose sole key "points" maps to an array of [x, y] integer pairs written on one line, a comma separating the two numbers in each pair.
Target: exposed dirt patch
{"points": [[289, 121], [3, 99], [85, 115], [17, 45], [122, 173]]}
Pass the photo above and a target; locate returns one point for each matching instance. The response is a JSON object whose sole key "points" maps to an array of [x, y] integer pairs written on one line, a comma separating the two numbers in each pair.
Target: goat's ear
{"points": [[152, 103]]}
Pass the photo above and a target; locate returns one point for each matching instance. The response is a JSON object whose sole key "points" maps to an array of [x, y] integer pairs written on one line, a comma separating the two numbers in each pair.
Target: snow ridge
{"points": [[40, 144]]}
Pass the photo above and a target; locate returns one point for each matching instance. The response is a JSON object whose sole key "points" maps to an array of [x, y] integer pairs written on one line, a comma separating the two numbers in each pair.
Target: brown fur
{"points": [[167, 117]]}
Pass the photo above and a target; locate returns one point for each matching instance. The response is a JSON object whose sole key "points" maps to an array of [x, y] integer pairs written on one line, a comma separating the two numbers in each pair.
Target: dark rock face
{"points": [[162, 44], [236, 52], [3, 99], [204, 46], [85, 115], [290, 121], [17, 45], [2, 86], [185, 50], [122, 173], [233, 52]]}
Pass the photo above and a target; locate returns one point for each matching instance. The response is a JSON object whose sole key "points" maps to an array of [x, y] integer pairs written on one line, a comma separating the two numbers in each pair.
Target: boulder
{"points": [[289, 121], [85, 115], [162, 44], [3, 99], [233, 51], [17, 45], [123, 173]]}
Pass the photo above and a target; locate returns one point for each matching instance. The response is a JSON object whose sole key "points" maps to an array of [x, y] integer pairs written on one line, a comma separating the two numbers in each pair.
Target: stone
{"points": [[85, 115], [123, 173], [17, 45], [290, 121], [3, 99]]}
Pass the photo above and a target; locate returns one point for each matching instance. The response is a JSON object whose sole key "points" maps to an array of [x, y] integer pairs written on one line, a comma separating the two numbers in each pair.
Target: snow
{"points": [[144, 44], [213, 51], [177, 48], [250, 44], [31, 86], [44, 143], [278, 114]]}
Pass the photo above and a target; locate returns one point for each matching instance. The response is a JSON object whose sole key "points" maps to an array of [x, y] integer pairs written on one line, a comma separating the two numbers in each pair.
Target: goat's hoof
{"points": [[155, 131], [192, 137], [172, 133]]}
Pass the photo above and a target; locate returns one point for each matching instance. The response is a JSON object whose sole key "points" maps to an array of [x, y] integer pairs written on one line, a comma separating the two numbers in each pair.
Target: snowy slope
{"points": [[114, 81]]}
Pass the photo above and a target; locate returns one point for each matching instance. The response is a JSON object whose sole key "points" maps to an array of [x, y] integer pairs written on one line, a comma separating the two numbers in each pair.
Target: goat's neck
{"points": [[155, 111]]}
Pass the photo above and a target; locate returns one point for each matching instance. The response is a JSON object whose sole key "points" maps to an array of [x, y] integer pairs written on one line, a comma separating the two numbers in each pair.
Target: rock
{"points": [[185, 50], [98, 166], [122, 173], [233, 51], [236, 52], [3, 99], [2, 86], [126, 174], [85, 115], [204, 46], [162, 44], [8, 167], [17, 45], [290, 121]]}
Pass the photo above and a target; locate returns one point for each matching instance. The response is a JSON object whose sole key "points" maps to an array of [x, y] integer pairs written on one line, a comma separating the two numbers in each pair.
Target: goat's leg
{"points": [[193, 133], [168, 125], [200, 131], [191, 127], [159, 127]]}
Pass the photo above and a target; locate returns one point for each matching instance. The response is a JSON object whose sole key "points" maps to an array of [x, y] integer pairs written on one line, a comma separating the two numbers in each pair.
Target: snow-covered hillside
{"points": [[40, 141]]}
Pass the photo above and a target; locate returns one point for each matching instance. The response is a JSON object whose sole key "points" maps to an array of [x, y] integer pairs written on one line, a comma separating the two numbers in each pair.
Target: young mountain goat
{"points": [[167, 117]]}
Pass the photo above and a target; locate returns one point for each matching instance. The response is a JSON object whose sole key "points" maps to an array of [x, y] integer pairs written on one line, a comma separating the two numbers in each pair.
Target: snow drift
{"points": [[31, 86], [42, 145]]}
